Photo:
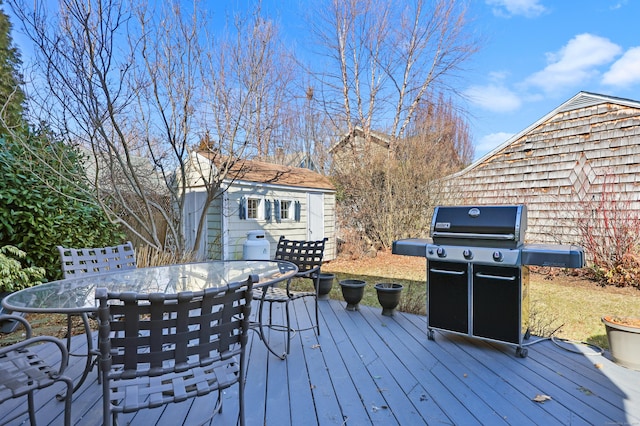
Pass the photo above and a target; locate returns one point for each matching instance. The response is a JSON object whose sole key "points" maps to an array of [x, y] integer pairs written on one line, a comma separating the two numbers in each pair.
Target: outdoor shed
{"points": [[581, 157], [257, 196]]}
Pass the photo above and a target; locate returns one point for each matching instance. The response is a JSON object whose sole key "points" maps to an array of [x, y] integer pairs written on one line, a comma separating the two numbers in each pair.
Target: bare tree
{"points": [[390, 198], [391, 65], [385, 59], [141, 88]]}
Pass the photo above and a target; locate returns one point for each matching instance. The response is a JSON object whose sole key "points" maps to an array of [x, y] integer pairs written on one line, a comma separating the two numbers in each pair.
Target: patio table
{"points": [[77, 295]]}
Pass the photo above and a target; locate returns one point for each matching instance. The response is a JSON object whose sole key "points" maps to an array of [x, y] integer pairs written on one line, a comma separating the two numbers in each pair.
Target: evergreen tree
{"points": [[11, 93]]}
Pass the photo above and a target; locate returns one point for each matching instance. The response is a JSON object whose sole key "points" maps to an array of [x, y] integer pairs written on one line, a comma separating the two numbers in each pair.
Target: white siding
{"points": [[237, 229]]}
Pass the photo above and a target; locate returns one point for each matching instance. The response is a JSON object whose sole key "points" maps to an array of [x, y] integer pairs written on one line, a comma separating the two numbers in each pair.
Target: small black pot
{"points": [[325, 283], [389, 297], [352, 292]]}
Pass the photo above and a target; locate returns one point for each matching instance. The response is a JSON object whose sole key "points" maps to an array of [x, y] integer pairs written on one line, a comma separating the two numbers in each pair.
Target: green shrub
{"points": [[13, 275], [45, 204]]}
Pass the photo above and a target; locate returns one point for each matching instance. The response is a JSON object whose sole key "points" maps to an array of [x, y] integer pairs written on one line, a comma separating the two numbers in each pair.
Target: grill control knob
{"points": [[497, 256], [467, 254], [441, 252]]}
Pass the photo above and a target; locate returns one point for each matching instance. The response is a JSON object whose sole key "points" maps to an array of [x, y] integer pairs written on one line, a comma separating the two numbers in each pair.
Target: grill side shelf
{"points": [[411, 247], [561, 256]]}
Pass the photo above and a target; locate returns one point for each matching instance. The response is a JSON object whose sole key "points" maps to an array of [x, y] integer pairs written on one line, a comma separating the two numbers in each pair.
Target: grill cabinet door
{"points": [[448, 296], [496, 303]]}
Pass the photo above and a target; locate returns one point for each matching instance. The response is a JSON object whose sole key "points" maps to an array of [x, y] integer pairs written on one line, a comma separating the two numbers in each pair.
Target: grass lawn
{"points": [[566, 306]]}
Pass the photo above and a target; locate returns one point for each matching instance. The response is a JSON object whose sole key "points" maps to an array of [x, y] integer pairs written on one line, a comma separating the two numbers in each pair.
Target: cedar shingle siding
{"points": [[560, 166]]}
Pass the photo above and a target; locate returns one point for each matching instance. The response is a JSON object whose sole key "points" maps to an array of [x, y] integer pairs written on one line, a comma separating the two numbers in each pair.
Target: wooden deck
{"points": [[369, 369]]}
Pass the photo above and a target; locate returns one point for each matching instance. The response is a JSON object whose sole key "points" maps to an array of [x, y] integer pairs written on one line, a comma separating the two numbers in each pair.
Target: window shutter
{"points": [[243, 208], [267, 210], [297, 207], [276, 205]]}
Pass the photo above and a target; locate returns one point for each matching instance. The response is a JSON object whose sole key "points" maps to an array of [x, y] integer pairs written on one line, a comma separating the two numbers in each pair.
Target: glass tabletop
{"points": [[78, 294]]}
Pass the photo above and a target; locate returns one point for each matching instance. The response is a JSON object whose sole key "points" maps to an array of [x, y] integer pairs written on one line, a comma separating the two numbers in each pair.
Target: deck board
{"points": [[368, 369]]}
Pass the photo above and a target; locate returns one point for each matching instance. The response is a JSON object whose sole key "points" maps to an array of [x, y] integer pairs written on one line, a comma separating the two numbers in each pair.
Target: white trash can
{"points": [[256, 247]]}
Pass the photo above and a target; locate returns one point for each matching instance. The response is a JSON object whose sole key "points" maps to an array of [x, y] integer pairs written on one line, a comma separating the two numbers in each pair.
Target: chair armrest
{"points": [[64, 355], [30, 341], [21, 320]]}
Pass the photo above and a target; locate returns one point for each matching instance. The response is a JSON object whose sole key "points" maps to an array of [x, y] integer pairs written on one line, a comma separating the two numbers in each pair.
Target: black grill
{"points": [[477, 274]]}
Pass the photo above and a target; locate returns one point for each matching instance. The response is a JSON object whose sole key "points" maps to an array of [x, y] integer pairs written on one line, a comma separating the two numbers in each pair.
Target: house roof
{"points": [[580, 100], [376, 137], [293, 159], [274, 174]]}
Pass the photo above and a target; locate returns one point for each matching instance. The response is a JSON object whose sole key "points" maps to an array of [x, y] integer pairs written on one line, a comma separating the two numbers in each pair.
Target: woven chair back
{"points": [[306, 255], [78, 261]]}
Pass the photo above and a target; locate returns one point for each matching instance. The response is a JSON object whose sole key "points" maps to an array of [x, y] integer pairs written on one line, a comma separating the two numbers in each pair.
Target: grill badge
{"points": [[474, 212], [443, 225]]}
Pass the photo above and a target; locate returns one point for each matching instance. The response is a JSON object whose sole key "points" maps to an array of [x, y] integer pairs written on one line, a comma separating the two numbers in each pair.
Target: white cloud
{"points": [[492, 97], [625, 71], [490, 142], [575, 63], [508, 8]]}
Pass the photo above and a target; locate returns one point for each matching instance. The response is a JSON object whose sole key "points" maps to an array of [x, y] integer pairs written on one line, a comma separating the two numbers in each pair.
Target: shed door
{"points": [[315, 217]]}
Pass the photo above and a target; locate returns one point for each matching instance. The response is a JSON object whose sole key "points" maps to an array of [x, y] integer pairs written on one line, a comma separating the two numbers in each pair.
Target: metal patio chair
{"points": [[78, 262], [170, 347], [90, 261], [22, 370], [97, 260], [307, 256]]}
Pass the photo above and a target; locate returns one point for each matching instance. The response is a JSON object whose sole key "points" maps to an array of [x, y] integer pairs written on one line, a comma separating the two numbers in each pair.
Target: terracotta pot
{"points": [[624, 341], [325, 283], [352, 292], [388, 297]]}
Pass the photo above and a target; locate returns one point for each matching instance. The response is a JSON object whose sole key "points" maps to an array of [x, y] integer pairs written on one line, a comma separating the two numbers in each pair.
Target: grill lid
{"points": [[490, 226]]}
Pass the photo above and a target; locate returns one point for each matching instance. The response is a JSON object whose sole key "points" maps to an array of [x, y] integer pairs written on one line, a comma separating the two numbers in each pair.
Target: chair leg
{"points": [[32, 409], [67, 401], [288, 327], [69, 332], [317, 287], [262, 328], [241, 383], [317, 317]]}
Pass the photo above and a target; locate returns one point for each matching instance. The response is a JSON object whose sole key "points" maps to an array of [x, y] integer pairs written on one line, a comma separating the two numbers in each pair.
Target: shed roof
{"points": [[274, 174]]}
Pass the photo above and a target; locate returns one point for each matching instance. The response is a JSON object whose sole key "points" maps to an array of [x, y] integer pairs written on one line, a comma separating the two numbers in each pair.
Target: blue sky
{"points": [[535, 55], [540, 53]]}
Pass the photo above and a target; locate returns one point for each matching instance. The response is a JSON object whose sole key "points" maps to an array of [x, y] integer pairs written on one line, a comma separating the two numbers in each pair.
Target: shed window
{"points": [[253, 208], [286, 211]]}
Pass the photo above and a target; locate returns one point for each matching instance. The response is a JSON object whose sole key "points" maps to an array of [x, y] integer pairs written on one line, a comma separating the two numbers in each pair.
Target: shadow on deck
{"points": [[369, 369]]}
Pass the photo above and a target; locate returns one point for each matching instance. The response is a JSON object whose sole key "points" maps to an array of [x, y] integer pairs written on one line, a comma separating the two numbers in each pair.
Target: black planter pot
{"points": [[352, 292], [389, 297], [324, 285]]}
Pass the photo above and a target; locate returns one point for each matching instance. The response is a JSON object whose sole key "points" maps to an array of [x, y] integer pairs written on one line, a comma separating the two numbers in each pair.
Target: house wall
{"points": [[227, 232], [561, 169]]}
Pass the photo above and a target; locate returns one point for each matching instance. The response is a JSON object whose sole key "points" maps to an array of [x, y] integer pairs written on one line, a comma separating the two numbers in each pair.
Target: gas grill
{"points": [[477, 271]]}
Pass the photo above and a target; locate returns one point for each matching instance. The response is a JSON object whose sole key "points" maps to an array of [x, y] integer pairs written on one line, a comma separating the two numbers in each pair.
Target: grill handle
{"points": [[494, 277], [447, 272], [506, 237]]}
